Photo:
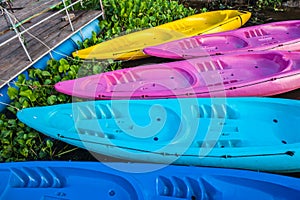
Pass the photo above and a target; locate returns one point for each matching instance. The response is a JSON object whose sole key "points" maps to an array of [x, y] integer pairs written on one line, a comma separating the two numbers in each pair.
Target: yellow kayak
{"points": [[130, 46]]}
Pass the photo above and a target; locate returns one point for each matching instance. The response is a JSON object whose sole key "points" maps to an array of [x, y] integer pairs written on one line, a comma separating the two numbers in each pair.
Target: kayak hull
{"points": [[249, 74], [284, 35], [130, 46], [138, 181], [248, 133]]}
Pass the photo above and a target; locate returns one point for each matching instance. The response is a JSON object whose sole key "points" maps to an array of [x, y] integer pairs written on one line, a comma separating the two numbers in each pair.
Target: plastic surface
{"points": [[284, 35], [249, 74], [130, 46], [249, 133], [92, 180]]}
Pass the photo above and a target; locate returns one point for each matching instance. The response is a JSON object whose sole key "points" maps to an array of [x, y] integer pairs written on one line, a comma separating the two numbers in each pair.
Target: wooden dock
{"points": [[39, 38]]}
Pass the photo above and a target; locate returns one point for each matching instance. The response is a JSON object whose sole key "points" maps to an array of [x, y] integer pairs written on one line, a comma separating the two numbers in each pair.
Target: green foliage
{"points": [[275, 4], [91, 41], [123, 17], [39, 90], [20, 143], [91, 5]]}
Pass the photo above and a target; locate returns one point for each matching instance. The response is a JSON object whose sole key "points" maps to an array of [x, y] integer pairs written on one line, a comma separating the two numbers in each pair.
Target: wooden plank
{"points": [[13, 59], [32, 7], [52, 36], [12, 65], [23, 15]]}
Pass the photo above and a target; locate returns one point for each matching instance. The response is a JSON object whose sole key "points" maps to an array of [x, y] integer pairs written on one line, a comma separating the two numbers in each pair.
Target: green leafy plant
{"points": [[38, 90], [19, 142], [275, 4]]}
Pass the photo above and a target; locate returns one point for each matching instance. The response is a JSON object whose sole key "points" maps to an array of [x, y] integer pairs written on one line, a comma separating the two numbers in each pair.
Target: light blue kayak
{"points": [[132, 181], [250, 133]]}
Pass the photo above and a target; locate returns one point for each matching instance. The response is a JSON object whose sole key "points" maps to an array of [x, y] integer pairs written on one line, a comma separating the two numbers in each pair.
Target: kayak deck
{"points": [[235, 133], [249, 133], [129, 46], [135, 181], [229, 75], [278, 35]]}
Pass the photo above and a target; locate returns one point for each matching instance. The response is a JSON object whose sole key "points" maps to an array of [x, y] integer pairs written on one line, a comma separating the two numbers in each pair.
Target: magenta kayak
{"points": [[248, 74], [284, 35]]}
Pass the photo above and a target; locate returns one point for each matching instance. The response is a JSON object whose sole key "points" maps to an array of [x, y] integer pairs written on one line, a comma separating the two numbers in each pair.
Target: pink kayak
{"points": [[251, 74], [284, 35]]}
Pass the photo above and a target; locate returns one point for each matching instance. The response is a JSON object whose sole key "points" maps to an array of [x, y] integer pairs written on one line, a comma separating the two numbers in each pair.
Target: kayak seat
{"points": [[95, 132], [222, 111], [189, 43], [211, 65], [219, 17], [35, 178], [107, 121], [93, 112], [221, 143], [258, 68], [123, 77], [212, 44], [255, 33], [220, 43], [142, 80], [181, 188]]}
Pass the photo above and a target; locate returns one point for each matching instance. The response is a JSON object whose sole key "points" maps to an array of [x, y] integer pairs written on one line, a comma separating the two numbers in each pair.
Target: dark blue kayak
{"points": [[107, 181], [248, 133]]}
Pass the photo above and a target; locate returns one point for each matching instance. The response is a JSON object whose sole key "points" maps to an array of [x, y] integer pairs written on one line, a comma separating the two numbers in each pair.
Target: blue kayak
{"points": [[107, 181], [249, 133]]}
